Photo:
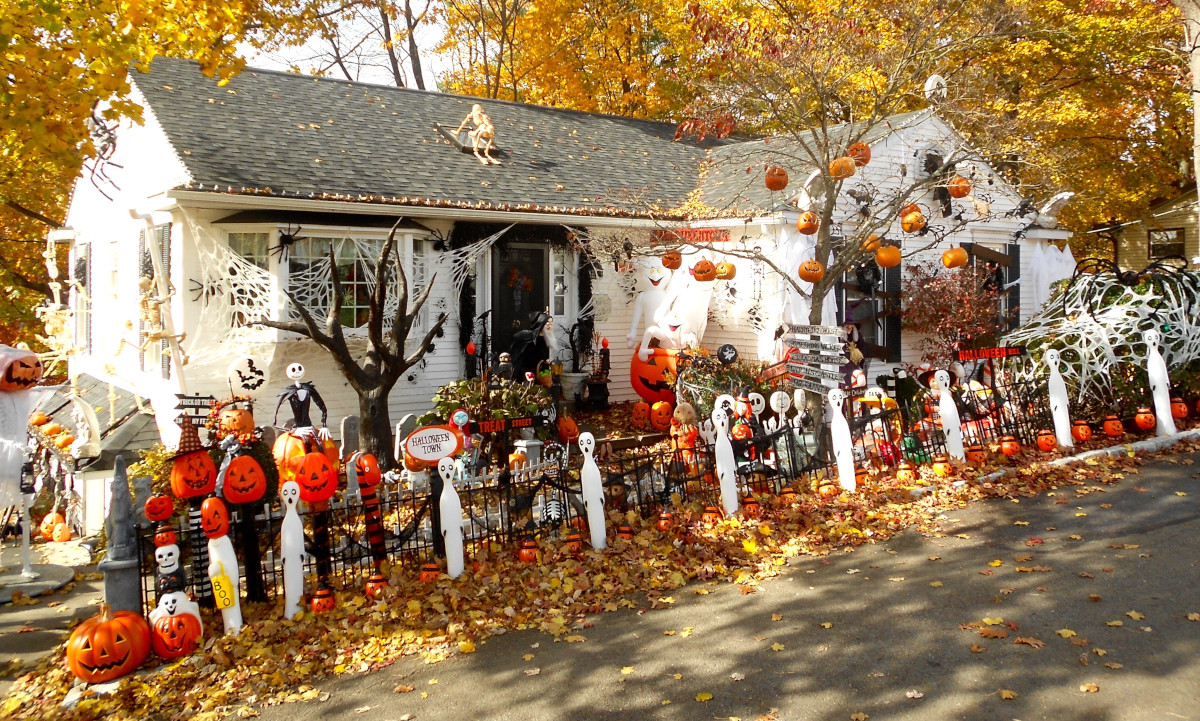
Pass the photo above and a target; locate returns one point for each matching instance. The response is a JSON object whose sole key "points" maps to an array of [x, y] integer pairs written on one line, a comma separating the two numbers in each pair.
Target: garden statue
{"points": [[1160, 383], [1059, 402], [592, 491], [951, 423], [843, 442], [482, 135], [648, 301], [451, 513], [726, 463], [504, 367], [300, 396], [223, 569], [291, 548]]}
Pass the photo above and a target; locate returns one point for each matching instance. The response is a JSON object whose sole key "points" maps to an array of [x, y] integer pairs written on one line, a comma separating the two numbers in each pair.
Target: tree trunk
{"points": [[375, 425], [1190, 10]]}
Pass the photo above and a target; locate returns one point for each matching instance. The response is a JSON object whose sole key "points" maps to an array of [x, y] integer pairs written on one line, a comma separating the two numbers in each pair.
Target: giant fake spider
{"points": [[1163, 270], [286, 240]]}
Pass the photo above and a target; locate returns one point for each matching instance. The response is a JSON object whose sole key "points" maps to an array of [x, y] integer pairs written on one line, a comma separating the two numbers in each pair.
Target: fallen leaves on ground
{"points": [[1065, 632], [1008, 695], [704, 697], [1135, 615], [1029, 641], [859, 717], [1089, 688]]}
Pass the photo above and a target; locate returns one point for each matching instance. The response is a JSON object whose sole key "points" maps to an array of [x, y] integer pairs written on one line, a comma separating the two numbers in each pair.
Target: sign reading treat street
{"points": [[815, 372], [1008, 351], [813, 345], [433, 443]]}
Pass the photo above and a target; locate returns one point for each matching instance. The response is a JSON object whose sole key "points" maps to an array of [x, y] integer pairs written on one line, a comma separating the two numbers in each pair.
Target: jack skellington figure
{"points": [[300, 396]]}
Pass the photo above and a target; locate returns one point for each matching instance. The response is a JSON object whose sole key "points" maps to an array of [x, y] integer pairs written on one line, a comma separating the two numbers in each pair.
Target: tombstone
{"points": [[349, 436], [141, 491], [122, 583]]}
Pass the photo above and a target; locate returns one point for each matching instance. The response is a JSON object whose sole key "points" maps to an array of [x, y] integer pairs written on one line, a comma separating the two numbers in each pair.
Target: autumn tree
{"points": [[1189, 11], [387, 359], [952, 309]]}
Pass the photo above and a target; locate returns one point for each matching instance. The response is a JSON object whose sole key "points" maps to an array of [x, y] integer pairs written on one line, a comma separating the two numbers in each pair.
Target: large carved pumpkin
{"points": [[704, 270], [367, 468], [175, 636], [245, 481], [193, 475], [19, 369], [290, 448], [726, 271], [235, 421], [317, 477], [159, 508], [108, 646], [568, 429], [654, 378]]}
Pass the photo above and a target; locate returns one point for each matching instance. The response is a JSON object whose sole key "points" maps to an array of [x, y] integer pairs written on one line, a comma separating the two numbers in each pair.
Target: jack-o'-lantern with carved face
{"points": [[175, 636], [660, 416], [193, 474], [641, 414], [704, 270], [654, 378], [19, 369], [159, 508], [245, 481], [235, 421], [214, 518], [317, 478], [367, 468]]}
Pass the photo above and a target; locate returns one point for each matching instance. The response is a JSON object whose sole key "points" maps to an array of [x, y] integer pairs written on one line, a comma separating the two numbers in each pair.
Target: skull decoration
{"points": [[295, 371], [167, 558]]}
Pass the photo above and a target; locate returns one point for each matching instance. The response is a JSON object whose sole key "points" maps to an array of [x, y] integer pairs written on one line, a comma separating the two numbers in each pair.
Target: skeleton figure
{"points": [[300, 395], [169, 576], [150, 315], [482, 135]]}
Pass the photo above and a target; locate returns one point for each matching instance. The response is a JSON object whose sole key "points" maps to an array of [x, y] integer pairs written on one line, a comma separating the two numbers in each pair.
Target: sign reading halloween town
{"points": [[1009, 351], [433, 443]]}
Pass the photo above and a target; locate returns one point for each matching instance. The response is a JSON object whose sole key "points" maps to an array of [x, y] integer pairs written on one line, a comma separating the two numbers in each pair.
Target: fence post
{"points": [[122, 583]]}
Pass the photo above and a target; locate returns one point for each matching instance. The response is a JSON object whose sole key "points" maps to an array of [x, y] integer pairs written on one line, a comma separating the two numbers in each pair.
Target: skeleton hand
{"points": [[323, 434]]}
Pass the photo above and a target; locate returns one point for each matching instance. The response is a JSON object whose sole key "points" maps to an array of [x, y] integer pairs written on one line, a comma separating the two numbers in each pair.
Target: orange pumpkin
{"points": [[906, 472], [64, 441], [1144, 419], [861, 476], [568, 429], [317, 477], [19, 369], [290, 448], [751, 508], [193, 475], [712, 515], [910, 208], [887, 256], [62, 533], [164, 535], [39, 419], [641, 414], [666, 521], [827, 489], [412, 463], [704, 270], [1081, 431], [52, 429], [376, 586], [108, 646], [625, 532], [788, 495], [528, 552], [1010, 446], [808, 222], [954, 257], [245, 481], [661, 414], [574, 541], [214, 517], [959, 187], [860, 153], [366, 465], [430, 572], [777, 178], [175, 636], [976, 455], [812, 271], [742, 432], [323, 600], [48, 524], [1046, 440], [726, 271], [872, 243], [1113, 427], [913, 222], [942, 466], [159, 507], [1179, 409], [235, 421], [654, 378], [672, 259], [842, 168], [517, 460]]}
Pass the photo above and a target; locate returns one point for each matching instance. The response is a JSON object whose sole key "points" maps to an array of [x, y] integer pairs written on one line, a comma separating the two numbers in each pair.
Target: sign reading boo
{"points": [[433, 443]]}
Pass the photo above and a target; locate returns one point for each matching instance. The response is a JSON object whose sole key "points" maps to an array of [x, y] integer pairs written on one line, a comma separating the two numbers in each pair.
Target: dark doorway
{"points": [[520, 292]]}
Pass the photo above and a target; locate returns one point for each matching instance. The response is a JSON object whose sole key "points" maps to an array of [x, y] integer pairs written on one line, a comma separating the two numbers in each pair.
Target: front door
{"points": [[520, 292]]}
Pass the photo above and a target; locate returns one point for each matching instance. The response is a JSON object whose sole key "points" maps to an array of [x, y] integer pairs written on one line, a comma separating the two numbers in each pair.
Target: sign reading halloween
{"points": [[1010, 351], [433, 443]]}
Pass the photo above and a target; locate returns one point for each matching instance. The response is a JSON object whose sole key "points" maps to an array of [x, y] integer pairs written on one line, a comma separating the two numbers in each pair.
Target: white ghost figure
{"points": [[175, 603], [451, 510], [726, 464], [726, 403], [951, 423], [593, 491], [843, 443], [649, 300], [1160, 384], [669, 333], [223, 562], [291, 548], [781, 402], [1060, 408]]}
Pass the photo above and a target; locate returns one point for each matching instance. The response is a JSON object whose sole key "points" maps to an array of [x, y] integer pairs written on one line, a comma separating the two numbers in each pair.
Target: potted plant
{"points": [[579, 340]]}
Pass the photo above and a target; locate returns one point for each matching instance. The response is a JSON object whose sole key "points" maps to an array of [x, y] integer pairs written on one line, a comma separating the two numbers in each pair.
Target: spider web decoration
{"points": [[1096, 322], [313, 286], [463, 260]]}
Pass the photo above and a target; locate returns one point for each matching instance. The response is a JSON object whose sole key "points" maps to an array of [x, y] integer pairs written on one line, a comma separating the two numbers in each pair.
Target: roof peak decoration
{"points": [[481, 135]]}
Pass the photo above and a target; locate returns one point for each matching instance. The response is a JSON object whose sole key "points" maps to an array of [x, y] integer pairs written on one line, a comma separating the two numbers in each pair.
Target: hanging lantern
{"points": [[704, 270], [913, 222], [672, 259]]}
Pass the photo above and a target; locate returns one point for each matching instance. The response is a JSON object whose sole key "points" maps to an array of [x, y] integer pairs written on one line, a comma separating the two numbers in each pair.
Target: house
{"points": [[1170, 228], [227, 196]]}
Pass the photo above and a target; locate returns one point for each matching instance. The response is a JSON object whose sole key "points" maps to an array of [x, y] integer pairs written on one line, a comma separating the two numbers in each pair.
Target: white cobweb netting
{"points": [[1100, 325], [311, 281]]}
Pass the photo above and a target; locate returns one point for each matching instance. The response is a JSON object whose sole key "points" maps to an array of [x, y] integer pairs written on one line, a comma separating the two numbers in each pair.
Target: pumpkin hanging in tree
{"points": [[812, 271], [672, 259], [777, 178], [808, 222], [842, 168], [860, 153], [888, 256]]}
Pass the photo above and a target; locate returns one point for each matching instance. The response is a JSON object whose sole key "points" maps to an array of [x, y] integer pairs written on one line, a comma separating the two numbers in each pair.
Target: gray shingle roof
{"points": [[283, 134]]}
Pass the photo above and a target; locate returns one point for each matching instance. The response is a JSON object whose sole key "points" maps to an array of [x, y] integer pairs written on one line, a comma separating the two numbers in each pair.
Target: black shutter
{"points": [[164, 246], [1014, 276], [83, 308], [891, 322]]}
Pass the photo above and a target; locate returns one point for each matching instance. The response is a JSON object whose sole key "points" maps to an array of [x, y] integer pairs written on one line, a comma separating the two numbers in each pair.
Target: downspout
{"points": [[164, 290]]}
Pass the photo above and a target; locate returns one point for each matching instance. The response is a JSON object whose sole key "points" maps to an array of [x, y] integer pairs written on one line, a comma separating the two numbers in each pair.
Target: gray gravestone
{"points": [[122, 584]]}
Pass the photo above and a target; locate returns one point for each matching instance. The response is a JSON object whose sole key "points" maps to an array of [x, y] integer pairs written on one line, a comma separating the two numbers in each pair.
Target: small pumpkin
{"points": [[159, 507], [672, 259], [517, 461], [1046, 440], [660, 416], [860, 153], [913, 222], [193, 475], [712, 515], [214, 517], [641, 414], [528, 552], [742, 432], [366, 466], [376, 586], [62, 533], [108, 646], [910, 208], [1081, 431], [872, 243], [827, 489], [942, 467], [704, 270], [959, 187], [726, 271], [430, 572], [235, 421], [175, 636], [1179, 409], [317, 478], [777, 178], [164, 535], [842, 168], [751, 508], [245, 481], [812, 271], [323, 600], [48, 524], [666, 521], [955, 257], [808, 223], [1010, 446], [412, 463], [887, 256], [625, 532], [1144, 419], [976, 455], [1113, 427], [19, 369], [906, 472], [861, 476], [39, 419], [788, 495], [574, 541], [568, 429]]}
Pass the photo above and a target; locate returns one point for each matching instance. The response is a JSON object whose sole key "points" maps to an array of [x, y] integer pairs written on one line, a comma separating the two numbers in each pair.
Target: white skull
{"points": [[587, 444], [836, 397], [757, 403], [720, 419], [295, 371], [1152, 338], [167, 558], [289, 493], [1051, 357]]}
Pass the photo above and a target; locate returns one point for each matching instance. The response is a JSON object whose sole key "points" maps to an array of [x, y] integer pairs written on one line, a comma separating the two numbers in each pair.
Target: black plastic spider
{"points": [[1167, 269], [286, 240]]}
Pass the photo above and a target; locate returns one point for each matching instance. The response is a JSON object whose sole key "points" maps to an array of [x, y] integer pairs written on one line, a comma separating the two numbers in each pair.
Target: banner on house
{"points": [[1008, 351]]}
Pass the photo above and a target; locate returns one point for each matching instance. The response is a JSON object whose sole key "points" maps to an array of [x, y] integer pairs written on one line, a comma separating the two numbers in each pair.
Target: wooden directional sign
{"points": [[196, 407], [779, 369], [815, 372], [986, 353], [805, 344], [818, 330], [809, 386]]}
